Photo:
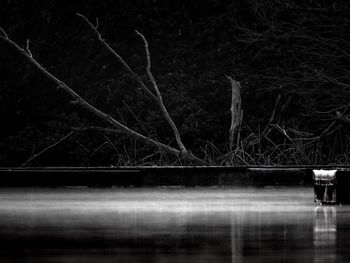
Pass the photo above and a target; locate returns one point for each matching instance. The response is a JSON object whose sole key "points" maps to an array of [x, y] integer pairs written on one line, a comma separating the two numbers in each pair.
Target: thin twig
{"points": [[4, 34], [99, 148], [96, 27], [267, 129], [32, 153], [120, 59], [135, 117], [112, 144], [96, 128], [46, 149], [270, 124], [326, 77], [147, 140], [28, 49]]}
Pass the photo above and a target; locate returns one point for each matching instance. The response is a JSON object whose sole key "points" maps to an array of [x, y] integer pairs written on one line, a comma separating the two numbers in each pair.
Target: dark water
{"points": [[171, 225]]}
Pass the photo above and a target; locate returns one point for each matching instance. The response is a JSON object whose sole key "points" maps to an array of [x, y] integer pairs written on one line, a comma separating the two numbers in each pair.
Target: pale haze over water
{"points": [[171, 225]]}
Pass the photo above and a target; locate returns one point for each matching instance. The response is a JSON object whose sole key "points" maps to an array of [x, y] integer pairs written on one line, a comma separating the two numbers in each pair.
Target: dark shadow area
{"points": [[290, 58]]}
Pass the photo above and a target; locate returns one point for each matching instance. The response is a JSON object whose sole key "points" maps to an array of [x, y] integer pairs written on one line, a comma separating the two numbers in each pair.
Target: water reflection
{"points": [[197, 225], [325, 233]]}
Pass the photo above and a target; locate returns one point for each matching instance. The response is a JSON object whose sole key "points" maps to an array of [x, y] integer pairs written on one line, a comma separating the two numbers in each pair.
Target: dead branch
{"points": [[158, 97], [284, 107], [28, 49], [112, 144], [99, 129], [303, 134], [236, 112], [119, 58], [284, 132], [4, 34], [46, 149], [325, 77], [103, 116], [99, 148], [267, 129], [341, 117], [135, 117], [160, 145]]}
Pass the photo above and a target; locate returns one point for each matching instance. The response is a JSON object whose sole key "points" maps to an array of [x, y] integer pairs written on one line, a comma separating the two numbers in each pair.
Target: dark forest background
{"points": [[291, 58]]}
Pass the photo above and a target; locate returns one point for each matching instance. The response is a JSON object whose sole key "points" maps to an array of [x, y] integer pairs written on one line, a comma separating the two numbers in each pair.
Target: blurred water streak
{"points": [[171, 225]]}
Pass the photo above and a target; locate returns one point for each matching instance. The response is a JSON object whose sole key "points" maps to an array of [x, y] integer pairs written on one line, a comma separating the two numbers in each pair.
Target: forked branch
{"points": [[77, 99], [3, 33], [158, 97], [119, 58]]}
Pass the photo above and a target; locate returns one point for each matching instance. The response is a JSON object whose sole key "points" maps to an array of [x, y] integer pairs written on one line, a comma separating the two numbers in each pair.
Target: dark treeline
{"points": [[291, 58]]}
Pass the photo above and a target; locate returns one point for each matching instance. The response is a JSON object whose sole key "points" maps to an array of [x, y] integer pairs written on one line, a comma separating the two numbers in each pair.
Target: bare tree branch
{"points": [[28, 49], [4, 34], [160, 99], [99, 129], [46, 149], [160, 145], [121, 60], [77, 99], [135, 117], [267, 129]]}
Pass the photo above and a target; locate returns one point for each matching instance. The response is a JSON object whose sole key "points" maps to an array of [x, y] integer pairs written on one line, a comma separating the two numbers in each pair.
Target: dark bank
{"points": [[141, 176]]}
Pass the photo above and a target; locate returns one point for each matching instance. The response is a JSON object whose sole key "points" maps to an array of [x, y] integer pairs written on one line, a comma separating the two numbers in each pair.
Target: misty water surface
{"points": [[171, 225]]}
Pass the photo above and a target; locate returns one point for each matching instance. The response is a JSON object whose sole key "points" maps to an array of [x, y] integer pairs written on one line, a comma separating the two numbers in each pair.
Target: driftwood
{"points": [[236, 113], [116, 125]]}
